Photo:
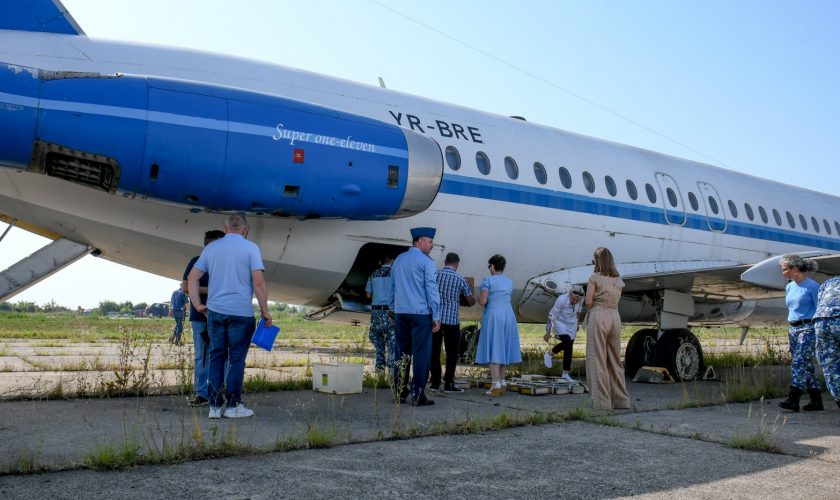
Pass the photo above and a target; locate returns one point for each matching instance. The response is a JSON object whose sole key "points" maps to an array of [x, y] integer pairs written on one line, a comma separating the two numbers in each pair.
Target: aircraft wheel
{"points": [[641, 351], [679, 351], [469, 343]]}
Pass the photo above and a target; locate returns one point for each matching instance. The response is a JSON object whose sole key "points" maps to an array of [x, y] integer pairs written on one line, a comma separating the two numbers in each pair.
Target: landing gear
{"points": [[678, 350], [641, 351]]}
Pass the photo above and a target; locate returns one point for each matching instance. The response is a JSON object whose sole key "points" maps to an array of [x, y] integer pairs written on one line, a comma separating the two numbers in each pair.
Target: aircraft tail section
{"points": [[46, 16]]}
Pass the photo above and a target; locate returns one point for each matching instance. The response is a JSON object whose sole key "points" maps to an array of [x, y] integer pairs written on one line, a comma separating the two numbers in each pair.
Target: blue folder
{"points": [[264, 335]]}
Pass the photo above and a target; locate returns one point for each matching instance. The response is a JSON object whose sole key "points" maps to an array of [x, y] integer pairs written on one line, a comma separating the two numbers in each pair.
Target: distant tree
{"points": [[107, 306], [140, 305], [25, 306], [5, 307], [52, 307]]}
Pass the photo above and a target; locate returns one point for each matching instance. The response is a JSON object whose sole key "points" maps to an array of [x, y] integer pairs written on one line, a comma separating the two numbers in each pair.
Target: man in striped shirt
{"points": [[452, 287]]}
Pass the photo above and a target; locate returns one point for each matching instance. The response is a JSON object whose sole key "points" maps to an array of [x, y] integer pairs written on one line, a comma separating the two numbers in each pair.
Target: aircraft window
{"points": [[511, 168], [837, 226], [453, 158], [713, 205], [610, 185], [693, 201], [777, 217], [539, 173], [763, 214], [815, 224], [827, 226], [651, 193], [631, 190], [733, 209], [791, 222], [803, 222], [588, 182], [565, 177], [748, 209], [482, 162], [672, 197]]}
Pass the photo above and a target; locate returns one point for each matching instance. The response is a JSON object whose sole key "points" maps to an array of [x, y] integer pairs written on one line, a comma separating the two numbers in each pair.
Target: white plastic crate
{"points": [[337, 378]]}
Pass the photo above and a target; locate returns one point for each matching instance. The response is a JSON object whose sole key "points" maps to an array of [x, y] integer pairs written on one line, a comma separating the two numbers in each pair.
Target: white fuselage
{"points": [[306, 261]]}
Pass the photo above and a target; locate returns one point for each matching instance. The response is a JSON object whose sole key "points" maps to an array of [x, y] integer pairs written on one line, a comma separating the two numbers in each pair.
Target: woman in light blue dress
{"points": [[498, 343]]}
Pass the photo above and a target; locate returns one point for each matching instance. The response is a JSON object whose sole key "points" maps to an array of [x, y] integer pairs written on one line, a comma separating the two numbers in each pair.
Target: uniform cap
{"points": [[423, 232]]}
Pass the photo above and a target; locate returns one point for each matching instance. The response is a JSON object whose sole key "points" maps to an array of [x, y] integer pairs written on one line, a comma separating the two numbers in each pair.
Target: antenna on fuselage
{"points": [[382, 83]]}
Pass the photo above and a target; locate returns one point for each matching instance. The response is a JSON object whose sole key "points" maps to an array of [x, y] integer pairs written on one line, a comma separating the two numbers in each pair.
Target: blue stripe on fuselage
{"points": [[527, 195]]}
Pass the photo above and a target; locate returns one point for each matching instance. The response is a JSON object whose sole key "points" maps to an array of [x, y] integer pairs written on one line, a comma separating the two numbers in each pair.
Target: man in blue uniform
{"points": [[827, 326], [417, 308], [380, 289]]}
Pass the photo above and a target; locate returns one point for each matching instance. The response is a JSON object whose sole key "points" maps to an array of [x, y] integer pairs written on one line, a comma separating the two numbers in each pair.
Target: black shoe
{"points": [[816, 403], [792, 401], [453, 390], [198, 401], [422, 401]]}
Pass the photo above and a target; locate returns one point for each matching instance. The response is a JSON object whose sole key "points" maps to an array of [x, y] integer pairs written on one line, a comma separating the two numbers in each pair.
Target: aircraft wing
{"points": [[720, 280], [47, 16]]}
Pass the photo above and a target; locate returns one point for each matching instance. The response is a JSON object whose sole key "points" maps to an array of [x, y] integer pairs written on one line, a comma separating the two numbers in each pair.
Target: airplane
{"points": [[130, 152]]}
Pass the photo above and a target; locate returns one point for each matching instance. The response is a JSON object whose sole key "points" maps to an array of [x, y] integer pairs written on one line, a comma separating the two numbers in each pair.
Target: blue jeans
{"points": [[179, 326], [230, 338], [202, 352]]}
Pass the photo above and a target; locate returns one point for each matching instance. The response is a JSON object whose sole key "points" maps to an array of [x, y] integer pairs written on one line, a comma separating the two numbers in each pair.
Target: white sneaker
{"points": [[568, 378], [215, 412], [238, 411]]}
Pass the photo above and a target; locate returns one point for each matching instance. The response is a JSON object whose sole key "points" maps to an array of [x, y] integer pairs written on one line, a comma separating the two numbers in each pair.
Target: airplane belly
{"points": [[161, 239]]}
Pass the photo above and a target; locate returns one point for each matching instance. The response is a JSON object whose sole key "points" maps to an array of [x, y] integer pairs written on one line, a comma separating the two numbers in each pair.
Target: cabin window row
{"points": [[453, 161]]}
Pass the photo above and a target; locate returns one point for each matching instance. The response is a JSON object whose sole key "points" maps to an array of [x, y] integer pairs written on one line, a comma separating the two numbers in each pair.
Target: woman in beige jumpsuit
{"points": [[604, 372]]}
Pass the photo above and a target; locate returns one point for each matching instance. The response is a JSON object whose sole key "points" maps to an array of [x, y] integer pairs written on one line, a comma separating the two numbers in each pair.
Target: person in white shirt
{"points": [[563, 319]]}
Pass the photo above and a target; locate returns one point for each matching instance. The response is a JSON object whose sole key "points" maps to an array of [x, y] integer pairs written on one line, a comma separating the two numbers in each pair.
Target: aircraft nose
{"points": [[18, 112]]}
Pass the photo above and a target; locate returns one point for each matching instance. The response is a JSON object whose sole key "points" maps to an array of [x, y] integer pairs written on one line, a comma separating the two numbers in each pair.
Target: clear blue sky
{"points": [[748, 85]]}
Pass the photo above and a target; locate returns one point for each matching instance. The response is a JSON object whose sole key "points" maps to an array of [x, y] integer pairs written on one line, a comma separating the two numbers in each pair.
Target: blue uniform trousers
{"points": [[828, 352], [381, 335], [802, 344], [414, 340]]}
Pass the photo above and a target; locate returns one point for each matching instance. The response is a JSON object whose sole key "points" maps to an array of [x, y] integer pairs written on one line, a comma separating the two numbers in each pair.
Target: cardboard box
{"points": [[337, 378]]}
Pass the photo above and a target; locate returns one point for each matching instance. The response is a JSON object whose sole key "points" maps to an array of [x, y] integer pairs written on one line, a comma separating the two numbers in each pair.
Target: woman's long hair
{"points": [[604, 263]]}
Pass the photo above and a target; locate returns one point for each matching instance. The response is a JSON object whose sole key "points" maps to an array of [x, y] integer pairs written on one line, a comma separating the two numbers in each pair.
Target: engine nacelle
{"points": [[213, 148]]}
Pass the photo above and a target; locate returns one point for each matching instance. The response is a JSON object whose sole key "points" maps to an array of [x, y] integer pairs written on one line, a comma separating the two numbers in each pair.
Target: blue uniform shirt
{"points": [[380, 286], [801, 299], [415, 289], [829, 299], [230, 262]]}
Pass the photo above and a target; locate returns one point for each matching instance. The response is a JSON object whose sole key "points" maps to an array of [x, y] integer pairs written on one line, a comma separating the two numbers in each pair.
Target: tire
{"points": [[679, 351], [469, 343], [641, 351]]}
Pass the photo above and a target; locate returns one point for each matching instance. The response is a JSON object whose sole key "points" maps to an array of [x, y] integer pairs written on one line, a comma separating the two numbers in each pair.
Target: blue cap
{"points": [[423, 232]]}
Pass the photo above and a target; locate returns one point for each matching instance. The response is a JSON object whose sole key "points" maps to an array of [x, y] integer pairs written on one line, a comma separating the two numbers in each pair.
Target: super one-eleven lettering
{"points": [[444, 129]]}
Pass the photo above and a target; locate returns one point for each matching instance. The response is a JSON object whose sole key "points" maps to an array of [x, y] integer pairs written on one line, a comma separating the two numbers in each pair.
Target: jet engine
{"points": [[212, 148]]}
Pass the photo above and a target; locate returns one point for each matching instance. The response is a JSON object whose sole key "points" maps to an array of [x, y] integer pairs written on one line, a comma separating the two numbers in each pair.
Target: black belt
{"points": [[800, 322], [378, 308]]}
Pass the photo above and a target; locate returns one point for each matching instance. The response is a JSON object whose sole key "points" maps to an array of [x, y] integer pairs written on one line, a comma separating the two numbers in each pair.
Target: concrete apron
{"points": [[62, 433]]}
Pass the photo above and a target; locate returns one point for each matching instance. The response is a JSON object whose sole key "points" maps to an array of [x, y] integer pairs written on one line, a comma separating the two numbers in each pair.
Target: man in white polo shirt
{"points": [[236, 274]]}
